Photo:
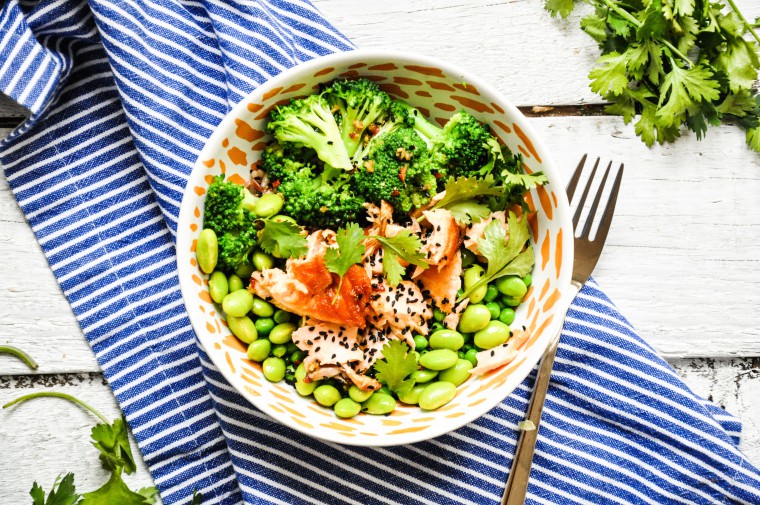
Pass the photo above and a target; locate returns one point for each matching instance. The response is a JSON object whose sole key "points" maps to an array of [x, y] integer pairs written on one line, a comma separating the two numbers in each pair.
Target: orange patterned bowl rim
{"points": [[437, 89]]}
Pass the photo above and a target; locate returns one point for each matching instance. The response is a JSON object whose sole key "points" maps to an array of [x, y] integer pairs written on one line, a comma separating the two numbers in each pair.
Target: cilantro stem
{"points": [[747, 25], [15, 351], [629, 17], [53, 394]]}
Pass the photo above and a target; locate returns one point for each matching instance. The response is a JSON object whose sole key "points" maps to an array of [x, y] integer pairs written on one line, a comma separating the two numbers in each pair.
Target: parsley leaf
{"points": [[282, 238], [349, 252], [397, 364], [505, 255], [405, 246], [113, 443], [114, 491], [461, 198], [63, 492], [197, 498]]}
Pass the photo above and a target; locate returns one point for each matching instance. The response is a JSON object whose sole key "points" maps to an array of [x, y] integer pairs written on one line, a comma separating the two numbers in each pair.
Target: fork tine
{"points": [[595, 205], [575, 178], [609, 210], [579, 207]]}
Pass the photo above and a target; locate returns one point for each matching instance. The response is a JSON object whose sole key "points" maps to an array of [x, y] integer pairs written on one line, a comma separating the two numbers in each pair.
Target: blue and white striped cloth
{"points": [[123, 94]]}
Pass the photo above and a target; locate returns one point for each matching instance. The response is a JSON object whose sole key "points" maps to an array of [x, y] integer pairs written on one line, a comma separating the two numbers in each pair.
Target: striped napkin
{"points": [[122, 95]]}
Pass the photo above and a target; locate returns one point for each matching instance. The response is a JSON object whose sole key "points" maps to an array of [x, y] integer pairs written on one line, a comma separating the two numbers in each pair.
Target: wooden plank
{"points": [[47, 437], [54, 435], [10, 112]]}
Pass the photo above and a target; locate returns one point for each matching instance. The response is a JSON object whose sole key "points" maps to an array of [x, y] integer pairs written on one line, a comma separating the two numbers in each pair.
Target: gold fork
{"points": [[587, 252]]}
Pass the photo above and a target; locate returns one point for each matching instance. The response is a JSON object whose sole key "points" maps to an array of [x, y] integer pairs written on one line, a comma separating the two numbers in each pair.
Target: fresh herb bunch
{"points": [[673, 62]]}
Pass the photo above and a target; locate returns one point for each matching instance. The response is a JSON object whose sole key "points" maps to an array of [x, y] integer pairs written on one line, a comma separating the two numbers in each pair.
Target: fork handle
{"points": [[517, 483]]}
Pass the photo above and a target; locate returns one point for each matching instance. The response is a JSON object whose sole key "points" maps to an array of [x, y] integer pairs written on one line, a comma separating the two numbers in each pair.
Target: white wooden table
{"points": [[682, 260]]}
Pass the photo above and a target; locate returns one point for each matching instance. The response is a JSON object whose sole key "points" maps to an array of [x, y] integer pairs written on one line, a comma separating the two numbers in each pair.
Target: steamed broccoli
{"points": [[279, 160], [228, 212], [360, 104], [396, 171]]}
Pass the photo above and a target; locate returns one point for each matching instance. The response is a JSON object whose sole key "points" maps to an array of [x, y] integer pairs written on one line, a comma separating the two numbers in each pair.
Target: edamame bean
{"points": [[243, 328], [304, 388], [346, 407], [436, 395], [440, 359], [491, 293], [471, 276], [259, 349], [446, 339], [438, 315], [458, 373], [494, 309], [262, 308], [512, 301], [244, 270], [273, 369], [279, 350], [475, 317], [528, 280], [511, 286], [235, 283], [207, 250], [359, 395], [262, 261], [238, 303], [507, 315], [280, 316], [495, 334], [413, 396], [264, 326], [218, 287], [423, 376], [281, 333], [327, 395], [268, 205], [420, 342], [379, 404], [472, 356], [385, 391]]}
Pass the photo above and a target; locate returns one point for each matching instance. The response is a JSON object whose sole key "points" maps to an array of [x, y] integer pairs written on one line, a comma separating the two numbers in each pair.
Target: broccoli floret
{"points": [[279, 161], [360, 104], [309, 123], [229, 213], [397, 171]]}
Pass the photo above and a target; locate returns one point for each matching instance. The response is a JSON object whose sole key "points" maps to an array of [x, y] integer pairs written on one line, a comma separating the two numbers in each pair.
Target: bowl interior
{"points": [[438, 90]]}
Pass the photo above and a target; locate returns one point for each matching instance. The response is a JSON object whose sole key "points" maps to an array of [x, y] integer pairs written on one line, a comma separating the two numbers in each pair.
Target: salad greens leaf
{"points": [[461, 198], [402, 246], [63, 492], [397, 364], [349, 252], [283, 238]]}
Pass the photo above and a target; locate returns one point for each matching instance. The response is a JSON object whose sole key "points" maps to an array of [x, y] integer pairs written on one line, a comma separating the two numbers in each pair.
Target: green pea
{"points": [[359, 395], [512, 301], [262, 308], [281, 333], [507, 315], [436, 395], [218, 287], [471, 276], [379, 404], [423, 376], [440, 359], [296, 357], [472, 356], [491, 293], [259, 349], [207, 250], [238, 303], [346, 407], [268, 205], [475, 317], [304, 388], [460, 354], [495, 334], [468, 258], [279, 350], [235, 283], [494, 309], [262, 260], [264, 326], [274, 369], [438, 315], [327, 395], [413, 396], [244, 270], [243, 328], [436, 326], [527, 280], [420, 342], [446, 339], [511, 286], [281, 316], [458, 373]]}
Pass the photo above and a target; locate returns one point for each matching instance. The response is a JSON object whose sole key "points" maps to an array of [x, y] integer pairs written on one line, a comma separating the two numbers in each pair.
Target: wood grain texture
{"points": [[10, 112]]}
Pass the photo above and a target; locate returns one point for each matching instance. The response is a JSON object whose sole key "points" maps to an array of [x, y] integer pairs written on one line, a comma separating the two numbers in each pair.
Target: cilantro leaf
{"points": [[393, 271], [461, 198], [404, 246], [349, 252], [197, 498], [684, 87], [114, 491], [740, 62], [609, 75], [738, 104], [63, 492], [561, 8], [505, 254], [397, 364], [150, 494], [753, 139], [112, 441], [595, 27], [282, 238]]}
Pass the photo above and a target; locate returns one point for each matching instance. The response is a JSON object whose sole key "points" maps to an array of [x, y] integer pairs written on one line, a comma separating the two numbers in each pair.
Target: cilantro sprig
{"points": [[672, 63], [281, 238], [462, 201], [349, 252], [15, 351], [397, 365]]}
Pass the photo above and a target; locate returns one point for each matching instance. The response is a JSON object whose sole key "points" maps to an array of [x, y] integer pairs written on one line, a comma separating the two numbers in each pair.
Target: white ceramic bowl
{"points": [[438, 90]]}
